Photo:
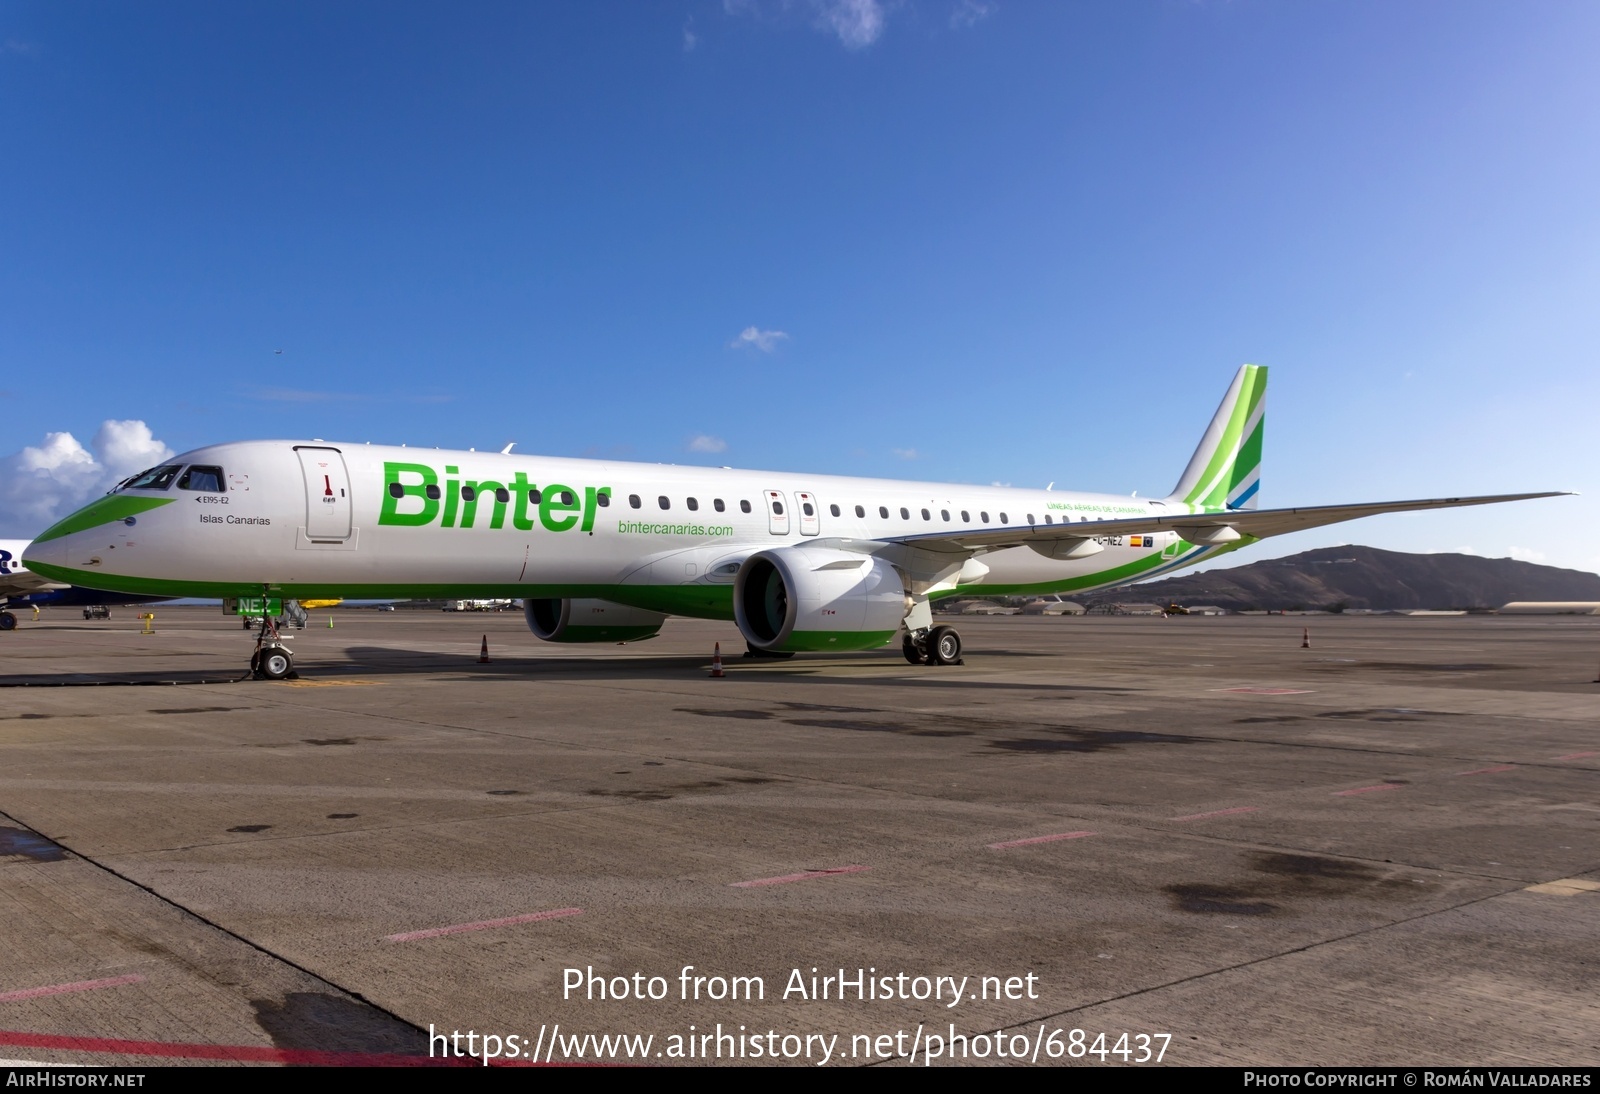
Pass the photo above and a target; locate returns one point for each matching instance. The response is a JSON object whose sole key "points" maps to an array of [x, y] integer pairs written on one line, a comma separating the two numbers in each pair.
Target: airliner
{"points": [[20, 588], [604, 552]]}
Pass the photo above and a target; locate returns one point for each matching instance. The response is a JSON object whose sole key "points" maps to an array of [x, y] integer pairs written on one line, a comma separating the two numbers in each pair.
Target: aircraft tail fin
{"points": [[1225, 471]]}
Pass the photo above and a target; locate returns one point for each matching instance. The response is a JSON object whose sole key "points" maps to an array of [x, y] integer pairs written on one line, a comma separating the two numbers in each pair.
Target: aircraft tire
{"points": [[913, 654], [8, 622], [944, 646], [274, 663]]}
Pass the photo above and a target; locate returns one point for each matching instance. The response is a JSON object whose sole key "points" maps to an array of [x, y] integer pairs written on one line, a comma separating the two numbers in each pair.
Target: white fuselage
{"points": [[317, 519]]}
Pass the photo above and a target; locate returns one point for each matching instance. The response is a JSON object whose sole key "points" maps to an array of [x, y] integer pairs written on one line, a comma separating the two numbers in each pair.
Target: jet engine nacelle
{"points": [[793, 599], [590, 621]]}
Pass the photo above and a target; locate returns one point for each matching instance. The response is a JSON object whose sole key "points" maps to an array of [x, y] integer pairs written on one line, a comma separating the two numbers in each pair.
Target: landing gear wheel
{"points": [[944, 646], [273, 663], [8, 622], [914, 653]]}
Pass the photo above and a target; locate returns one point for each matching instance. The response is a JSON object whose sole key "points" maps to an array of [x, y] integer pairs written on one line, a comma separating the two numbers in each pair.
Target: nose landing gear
{"points": [[272, 660]]}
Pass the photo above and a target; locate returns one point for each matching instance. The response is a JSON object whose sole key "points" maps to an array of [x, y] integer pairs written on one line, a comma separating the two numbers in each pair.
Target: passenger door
{"points": [[327, 493]]}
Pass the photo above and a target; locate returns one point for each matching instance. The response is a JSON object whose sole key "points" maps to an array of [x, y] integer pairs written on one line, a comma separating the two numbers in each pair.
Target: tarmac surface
{"points": [[1383, 849]]}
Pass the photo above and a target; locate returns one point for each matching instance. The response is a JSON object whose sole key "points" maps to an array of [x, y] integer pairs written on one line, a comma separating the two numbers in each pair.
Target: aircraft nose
{"points": [[51, 553]]}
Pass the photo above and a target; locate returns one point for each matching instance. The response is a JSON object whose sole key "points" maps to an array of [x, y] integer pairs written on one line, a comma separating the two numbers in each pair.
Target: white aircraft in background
{"points": [[605, 552], [20, 588]]}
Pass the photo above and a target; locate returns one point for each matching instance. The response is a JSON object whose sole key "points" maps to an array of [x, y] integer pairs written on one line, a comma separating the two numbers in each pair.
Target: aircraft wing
{"points": [[26, 582], [1214, 528]]}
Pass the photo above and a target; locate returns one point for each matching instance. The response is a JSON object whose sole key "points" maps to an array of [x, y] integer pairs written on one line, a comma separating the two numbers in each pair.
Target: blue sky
{"points": [[980, 242]]}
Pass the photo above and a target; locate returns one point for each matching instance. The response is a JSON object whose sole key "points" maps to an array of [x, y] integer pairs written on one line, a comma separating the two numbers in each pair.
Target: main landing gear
{"points": [[8, 622], [934, 646], [271, 660]]}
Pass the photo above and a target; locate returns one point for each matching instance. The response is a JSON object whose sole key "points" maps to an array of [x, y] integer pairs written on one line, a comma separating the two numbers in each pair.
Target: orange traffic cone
{"points": [[1305, 639], [483, 653], [716, 662]]}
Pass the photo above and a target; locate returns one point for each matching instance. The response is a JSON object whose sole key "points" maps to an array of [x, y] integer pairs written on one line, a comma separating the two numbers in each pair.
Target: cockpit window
{"points": [[157, 478], [202, 478]]}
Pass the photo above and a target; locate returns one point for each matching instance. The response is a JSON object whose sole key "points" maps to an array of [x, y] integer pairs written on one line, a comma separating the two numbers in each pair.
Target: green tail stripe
{"points": [[1254, 387], [1246, 462]]}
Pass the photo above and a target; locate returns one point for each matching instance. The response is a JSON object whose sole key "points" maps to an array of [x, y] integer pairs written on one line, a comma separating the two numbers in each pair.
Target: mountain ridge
{"points": [[1365, 578]]}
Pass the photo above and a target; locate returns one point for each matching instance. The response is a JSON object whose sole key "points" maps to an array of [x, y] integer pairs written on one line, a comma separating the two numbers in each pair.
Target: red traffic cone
{"points": [[483, 652], [1305, 639], [716, 662]]}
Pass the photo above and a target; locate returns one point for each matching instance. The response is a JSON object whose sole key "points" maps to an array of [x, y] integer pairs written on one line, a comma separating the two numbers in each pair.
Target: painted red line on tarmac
{"points": [[484, 925], [1577, 755], [242, 1053], [805, 875], [61, 989], [1219, 813], [1488, 770], [1367, 789], [1038, 839]]}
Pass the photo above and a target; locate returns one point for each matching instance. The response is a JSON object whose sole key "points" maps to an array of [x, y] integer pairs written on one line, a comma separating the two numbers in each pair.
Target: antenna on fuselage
{"points": [[506, 451]]}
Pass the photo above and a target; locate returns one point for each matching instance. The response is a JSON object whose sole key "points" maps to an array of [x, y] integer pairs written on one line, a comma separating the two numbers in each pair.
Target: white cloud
{"points": [[40, 485], [969, 12], [764, 340], [690, 38], [905, 453], [1526, 554], [858, 23], [704, 442], [127, 447]]}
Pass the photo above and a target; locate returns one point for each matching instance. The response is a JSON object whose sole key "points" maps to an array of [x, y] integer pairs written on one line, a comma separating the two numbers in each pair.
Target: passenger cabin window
{"points": [[664, 501], [633, 500], [396, 490], [202, 478], [965, 519], [1003, 519], [926, 515], [834, 509], [810, 512], [944, 514], [717, 505], [693, 504], [157, 478], [432, 492], [535, 496], [905, 514], [883, 511], [744, 507], [1030, 518], [777, 508], [985, 517], [502, 495], [1048, 519], [566, 498], [604, 498], [860, 511], [468, 494]]}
